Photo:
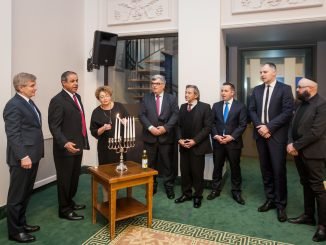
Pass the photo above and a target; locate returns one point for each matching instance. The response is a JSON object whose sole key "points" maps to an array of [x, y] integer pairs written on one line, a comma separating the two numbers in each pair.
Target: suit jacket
{"points": [[201, 127], [65, 124], [168, 118], [24, 131], [280, 110], [235, 124], [311, 130]]}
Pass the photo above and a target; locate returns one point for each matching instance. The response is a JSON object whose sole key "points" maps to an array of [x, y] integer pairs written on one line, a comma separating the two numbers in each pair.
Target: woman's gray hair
{"points": [[21, 80], [160, 77], [196, 90]]}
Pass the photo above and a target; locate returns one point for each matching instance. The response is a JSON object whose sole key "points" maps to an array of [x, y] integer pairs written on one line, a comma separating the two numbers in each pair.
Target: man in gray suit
{"points": [[25, 148], [307, 143], [159, 116]]}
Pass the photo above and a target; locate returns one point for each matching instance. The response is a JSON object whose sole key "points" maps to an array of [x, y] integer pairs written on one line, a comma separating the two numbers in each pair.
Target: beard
{"points": [[305, 96]]}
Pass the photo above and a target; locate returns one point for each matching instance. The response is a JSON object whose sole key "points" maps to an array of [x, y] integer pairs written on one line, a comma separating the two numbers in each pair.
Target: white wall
{"points": [[5, 78], [286, 16]]}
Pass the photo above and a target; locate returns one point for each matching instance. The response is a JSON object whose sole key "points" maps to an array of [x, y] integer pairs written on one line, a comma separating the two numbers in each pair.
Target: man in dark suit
{"points": [[229, 123], [271, 109], [68, 128], [307, 143], [194, 127], [159, 116], [25, 148]]}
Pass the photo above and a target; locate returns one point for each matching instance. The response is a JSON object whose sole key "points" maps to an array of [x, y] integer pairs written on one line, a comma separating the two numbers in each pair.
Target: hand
{"points": [[219, 138], [226, 139], [107, 127], [161, 129], [26, 163], [291, 150], [70, 146], [155, 131], [264, 131], [188, 143]]}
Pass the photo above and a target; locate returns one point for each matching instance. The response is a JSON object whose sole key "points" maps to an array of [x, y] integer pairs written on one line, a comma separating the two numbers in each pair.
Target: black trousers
{"points": [[160, 157], [20, 190], [68, 171], [192, 173], [233, 156], [272, 156], [312, 174]]}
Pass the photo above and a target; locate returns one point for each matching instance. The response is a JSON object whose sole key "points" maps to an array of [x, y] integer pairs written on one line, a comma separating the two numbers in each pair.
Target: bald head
{"points": [[306, 89], [305, 82]]}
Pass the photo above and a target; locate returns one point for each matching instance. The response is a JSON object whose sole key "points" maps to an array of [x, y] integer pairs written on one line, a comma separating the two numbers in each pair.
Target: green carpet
{"points": [[222, 214]]}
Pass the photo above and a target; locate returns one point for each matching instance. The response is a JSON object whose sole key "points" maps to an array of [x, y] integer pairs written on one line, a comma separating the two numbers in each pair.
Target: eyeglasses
{"points": [[299, 87], [156, 84]]}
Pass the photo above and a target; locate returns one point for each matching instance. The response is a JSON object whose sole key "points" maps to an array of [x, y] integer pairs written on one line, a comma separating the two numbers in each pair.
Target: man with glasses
{"points": [[159, 116], [270, 110], [307, 143]]}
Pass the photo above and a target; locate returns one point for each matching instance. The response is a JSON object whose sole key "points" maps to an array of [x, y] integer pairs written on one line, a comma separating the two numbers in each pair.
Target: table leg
{"points": [[94, 199], [112, 210], [129, 192], [149, 197]]}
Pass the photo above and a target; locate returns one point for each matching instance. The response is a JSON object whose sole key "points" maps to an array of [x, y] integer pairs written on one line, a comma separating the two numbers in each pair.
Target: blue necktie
{"points": [[226, 111], [31, 103]]}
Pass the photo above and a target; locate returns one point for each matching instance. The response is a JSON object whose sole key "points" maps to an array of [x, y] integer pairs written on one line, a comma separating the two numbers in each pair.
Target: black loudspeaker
{"points": [[104, 48]]}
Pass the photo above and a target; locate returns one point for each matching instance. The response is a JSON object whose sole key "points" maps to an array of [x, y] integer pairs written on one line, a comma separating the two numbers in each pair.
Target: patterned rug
{"points": [[134, 231]]}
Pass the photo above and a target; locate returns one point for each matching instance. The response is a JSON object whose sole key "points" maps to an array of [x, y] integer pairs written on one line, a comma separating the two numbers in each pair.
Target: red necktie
{"points": [[82, 116], [158, 104], [189, 107]]}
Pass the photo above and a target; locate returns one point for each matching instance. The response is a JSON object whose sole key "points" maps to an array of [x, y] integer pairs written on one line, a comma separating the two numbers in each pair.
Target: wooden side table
{"points": [[126, 207]]}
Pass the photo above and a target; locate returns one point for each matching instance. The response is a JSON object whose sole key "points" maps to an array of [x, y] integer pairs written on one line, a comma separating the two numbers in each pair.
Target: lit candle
{"points": [[133, 128], [115, 127]]}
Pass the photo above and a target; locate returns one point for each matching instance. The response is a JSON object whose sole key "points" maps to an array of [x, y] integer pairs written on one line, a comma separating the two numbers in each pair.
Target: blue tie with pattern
{"points": [[226, 111]]}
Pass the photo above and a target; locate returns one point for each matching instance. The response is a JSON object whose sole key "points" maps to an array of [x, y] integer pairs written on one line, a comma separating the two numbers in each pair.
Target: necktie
{"points": [[189, 107], [31, 103], [266, 104], [226, 111], [158, 104], [81, 115]]}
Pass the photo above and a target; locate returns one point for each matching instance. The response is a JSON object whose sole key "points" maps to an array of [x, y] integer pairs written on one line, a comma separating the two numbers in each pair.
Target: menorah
{"points": [[121, 145]]}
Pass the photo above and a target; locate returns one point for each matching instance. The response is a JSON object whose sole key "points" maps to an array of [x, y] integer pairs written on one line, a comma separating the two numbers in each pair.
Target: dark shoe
{"points": [[238, 198], [31, 228], [213, 195], [79, 207], [197, 202], [303, 219], [281, 215], [170, 193], [320, 234], [182, 199], [71, 216], [22, 237], [266, 206]]}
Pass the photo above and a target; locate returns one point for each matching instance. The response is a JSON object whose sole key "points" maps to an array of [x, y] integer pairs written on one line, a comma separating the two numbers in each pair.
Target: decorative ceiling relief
{"points": [[137, 11], [245, 6]]}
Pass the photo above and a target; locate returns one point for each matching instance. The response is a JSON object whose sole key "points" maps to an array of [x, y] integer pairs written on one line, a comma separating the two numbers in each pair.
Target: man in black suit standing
{"points": [[307, 143], [229, 123], [68, 128], [271, 109], [159, 116], [25, 148], [194, 127]]}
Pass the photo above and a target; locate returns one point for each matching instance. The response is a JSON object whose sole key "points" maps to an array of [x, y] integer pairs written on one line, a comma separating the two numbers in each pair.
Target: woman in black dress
{"points": [[103, 124]]}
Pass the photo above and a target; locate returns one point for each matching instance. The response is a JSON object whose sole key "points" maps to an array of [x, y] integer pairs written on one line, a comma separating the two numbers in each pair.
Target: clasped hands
{"points": [[291, 150], [187, 143], [157, 131], [223, 139], [264, 131]]}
